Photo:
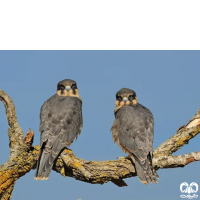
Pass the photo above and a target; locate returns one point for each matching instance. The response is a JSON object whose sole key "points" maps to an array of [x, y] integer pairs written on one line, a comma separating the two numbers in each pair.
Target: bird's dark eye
{"points": [[131, 97], [119, 98], [74, 86], [61, 87]]}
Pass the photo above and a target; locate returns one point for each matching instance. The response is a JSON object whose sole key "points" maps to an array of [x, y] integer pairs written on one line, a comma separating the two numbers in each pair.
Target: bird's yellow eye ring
{"points": [[74, 86], [61, 87], [118, 98], [131, 97]]}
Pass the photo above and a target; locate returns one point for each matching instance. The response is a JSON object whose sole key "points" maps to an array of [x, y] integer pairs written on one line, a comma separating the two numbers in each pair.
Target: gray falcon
{"points": [[133, 130], [60, 123]]}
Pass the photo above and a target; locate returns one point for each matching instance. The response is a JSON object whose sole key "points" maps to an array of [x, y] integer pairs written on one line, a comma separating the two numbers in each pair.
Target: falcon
{"points": [[60, 123], [133, 131]]}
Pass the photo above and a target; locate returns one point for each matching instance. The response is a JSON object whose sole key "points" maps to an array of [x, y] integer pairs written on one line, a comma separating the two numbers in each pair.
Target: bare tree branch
{"points": [[15, 132], [182, 137], [176, 161], [23, 156]]}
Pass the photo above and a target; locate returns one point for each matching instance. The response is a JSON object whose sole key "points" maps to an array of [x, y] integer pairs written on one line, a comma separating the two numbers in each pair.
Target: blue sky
{"points": [[167, 82]]}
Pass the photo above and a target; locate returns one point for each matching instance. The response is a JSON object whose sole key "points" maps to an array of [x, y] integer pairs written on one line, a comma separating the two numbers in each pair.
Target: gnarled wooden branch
{"points": [[15, 132], [23, 156]]}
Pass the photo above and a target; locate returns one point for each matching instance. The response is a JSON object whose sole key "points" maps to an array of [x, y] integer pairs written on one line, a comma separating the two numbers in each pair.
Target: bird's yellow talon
{"points": [[122, 158]]}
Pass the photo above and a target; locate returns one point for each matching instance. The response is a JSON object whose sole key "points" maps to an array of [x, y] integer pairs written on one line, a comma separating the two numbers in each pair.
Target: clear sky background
{"points": [[166, 82]]}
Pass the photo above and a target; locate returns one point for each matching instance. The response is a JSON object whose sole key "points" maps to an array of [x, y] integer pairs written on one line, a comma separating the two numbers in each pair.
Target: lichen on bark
{"points": [[23, 156]]}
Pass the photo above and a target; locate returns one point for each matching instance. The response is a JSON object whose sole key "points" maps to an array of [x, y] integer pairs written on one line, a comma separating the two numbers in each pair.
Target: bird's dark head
{"points": [[67, 87], [125, 97]]}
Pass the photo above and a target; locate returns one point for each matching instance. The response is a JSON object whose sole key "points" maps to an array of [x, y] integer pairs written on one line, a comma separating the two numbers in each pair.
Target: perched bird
{"points": [[133, 130], [60, 123]]}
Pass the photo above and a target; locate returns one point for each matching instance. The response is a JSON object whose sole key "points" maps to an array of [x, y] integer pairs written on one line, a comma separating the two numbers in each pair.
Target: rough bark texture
{"points": [[23, 156]]}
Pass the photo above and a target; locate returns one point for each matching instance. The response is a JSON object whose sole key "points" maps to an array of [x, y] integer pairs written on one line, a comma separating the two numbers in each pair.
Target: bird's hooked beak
{"points": [[68, 88], [125, 99]]}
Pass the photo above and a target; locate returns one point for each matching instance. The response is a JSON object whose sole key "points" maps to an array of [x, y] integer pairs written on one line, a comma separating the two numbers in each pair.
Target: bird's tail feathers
{"points": [[40, 178], [43, 167], [145, 171]]}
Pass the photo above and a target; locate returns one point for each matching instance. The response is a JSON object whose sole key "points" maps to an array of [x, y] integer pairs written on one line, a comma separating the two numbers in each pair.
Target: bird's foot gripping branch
{"points": [[23, 156]]}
